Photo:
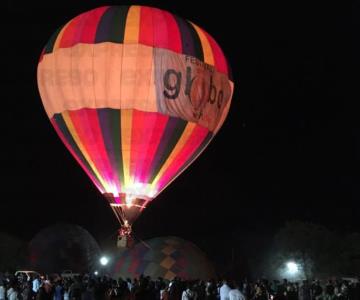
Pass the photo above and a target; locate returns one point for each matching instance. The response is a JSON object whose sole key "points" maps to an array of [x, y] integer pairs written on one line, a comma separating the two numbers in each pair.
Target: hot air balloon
{"points": [[136, 94], [164, 257]]}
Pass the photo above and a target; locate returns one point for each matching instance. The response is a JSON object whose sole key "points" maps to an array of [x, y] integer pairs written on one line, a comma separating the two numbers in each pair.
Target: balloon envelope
{"points": [[164, 257], [136, 94], [64, 246]]}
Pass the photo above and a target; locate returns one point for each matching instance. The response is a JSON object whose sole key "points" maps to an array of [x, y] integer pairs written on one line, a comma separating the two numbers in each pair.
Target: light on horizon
{"points": [[104, 261]]}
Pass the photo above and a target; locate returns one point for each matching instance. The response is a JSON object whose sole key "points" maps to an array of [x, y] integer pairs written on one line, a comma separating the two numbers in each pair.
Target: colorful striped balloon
{"points": [[136, 94], [165, 257]]}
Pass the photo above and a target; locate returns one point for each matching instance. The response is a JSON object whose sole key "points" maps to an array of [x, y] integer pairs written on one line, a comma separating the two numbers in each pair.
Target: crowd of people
{"points": [[89, 287]]}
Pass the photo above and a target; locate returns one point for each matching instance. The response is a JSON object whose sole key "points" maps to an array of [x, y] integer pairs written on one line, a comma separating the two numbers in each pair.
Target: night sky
{"points": [[289, 149]]}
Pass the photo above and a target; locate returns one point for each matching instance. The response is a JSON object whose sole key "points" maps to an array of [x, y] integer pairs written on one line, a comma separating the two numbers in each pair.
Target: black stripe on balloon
{"points": [[50, 44], [111, 27], [110, 120], [67, 135], [197, 152], [191, 43], [171, 135]]}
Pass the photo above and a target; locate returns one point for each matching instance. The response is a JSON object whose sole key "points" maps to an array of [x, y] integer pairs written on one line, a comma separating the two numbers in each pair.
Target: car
{"points": [[26, 274], [69, 274]]}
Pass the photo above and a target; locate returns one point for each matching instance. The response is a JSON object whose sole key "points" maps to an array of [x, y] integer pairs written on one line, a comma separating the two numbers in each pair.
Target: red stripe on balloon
{"points": [[87, 126], [67, 39], [79, 29], [146, 36], [160, 29], [148, 120], [91, 24], [156, 133], [63, 139], [137, 134], [174, 35]]}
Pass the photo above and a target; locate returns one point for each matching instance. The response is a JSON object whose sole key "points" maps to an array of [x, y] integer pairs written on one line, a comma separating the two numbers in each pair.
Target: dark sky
{"points": [[289, 149]]}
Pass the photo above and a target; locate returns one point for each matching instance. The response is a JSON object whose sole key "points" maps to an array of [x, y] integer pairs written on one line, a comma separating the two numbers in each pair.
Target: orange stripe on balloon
{"points": [[132, 25], [177, 149], [208, 53], [219, 58]]}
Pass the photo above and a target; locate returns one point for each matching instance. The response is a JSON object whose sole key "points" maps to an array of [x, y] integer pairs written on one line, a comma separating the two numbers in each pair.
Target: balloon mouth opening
{"points": [[127, 202], [131, 192]]}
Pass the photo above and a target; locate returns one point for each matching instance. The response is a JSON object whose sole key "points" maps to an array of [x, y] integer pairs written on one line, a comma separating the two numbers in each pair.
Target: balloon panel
{"points": [[134, 76]]}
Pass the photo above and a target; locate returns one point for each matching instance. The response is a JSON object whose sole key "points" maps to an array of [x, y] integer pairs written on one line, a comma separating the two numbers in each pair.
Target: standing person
{"points": [[26, 292], [259, 292], [188, 294], [304, 291], [224, 291], [76, 290], [316, 290], [35, 285], [235, 293], [292, 293], [2, 290], [12, 293], [210, 290], [58, 291], [164, 290]]}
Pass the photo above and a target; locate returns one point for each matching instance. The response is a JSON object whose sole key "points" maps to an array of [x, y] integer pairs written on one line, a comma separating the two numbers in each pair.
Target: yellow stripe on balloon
{"points": [[208, 53], [126, 128], [132, 26], [78, 142], [179, 146]]}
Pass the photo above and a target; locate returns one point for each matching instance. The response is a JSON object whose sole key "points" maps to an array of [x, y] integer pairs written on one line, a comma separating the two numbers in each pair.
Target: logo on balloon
{"points": [[190, 89]]}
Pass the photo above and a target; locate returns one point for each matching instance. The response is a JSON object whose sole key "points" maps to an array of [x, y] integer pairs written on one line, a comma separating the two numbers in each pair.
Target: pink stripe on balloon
{"points": [[137, 133], [91, 23], [174, 35], [87, 126], [67, 39], [146, 34], [160, 29], [149, 119], [80, 27], [155, 132]]}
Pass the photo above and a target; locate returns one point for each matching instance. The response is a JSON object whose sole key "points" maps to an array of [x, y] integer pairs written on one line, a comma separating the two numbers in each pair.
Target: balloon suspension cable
{"points": [[142, 242]]}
